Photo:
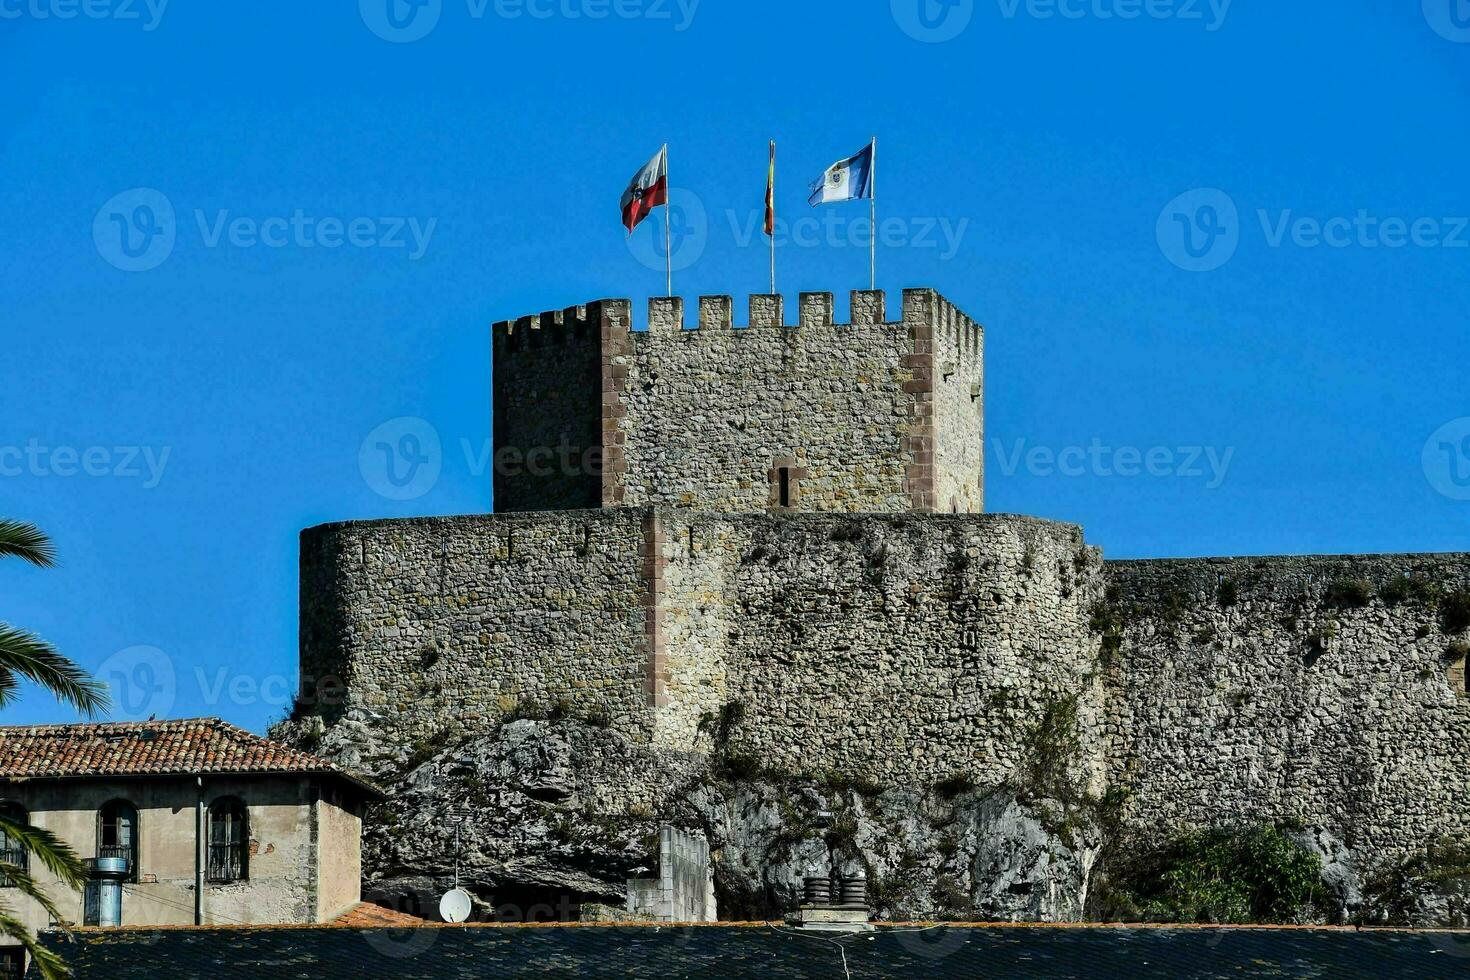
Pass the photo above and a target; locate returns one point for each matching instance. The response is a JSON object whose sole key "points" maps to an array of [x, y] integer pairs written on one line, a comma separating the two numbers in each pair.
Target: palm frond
{"points": [[24, 882], [26, 542], [52, 967], [33, 658], [47, 848]]}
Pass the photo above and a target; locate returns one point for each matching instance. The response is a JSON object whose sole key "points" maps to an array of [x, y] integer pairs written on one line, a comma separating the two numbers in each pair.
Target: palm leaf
{"points": [[33, 658], [24, 882], [52, 967], [47, 848], [27, 542]]}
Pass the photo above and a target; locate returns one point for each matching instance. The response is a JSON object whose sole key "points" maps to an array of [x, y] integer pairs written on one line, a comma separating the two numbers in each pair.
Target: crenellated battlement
{"points": [[670, 314], [793, 409]]}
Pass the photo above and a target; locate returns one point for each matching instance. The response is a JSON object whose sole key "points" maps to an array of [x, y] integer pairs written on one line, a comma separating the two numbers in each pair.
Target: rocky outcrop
{"points": [[553, 814]]}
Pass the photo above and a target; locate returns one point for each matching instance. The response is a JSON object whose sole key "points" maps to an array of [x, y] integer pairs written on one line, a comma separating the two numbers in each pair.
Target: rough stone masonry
{"points": [[761, 550]]}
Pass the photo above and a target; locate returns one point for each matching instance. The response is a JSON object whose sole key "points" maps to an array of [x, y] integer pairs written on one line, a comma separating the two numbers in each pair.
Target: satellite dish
{"points": [[455, 906]]}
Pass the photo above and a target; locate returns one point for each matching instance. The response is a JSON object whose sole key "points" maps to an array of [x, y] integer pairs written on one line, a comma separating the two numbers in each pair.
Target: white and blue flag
{"points": [[845, 180]]}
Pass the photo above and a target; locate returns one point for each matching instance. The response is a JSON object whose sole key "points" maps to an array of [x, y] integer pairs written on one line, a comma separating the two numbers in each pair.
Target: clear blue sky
{"points": [[1056, 143]]}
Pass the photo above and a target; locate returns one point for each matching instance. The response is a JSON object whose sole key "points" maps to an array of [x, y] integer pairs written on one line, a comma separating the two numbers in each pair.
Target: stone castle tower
{"points": [[872, 415]]}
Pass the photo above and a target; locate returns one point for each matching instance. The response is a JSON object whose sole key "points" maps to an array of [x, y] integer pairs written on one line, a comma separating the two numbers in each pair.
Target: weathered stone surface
{"points": [[893, 648], [561, 814], [1305, 698], [898, 651], [875, 415]]}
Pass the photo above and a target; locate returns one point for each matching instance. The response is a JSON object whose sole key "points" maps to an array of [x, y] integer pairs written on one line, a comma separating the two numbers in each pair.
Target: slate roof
{"points": [[181, 747], [764, 951]]}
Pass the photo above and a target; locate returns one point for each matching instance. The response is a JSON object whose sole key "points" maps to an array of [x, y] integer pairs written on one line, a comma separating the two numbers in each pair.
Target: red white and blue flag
{"points": [[648, 190]]}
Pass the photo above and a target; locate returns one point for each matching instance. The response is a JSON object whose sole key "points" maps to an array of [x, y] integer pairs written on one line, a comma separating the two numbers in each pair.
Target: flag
{"points": [[845, 180], [648, 189], [771, 193]]}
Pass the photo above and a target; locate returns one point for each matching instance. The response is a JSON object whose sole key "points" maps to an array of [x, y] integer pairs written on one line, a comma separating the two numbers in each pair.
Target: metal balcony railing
{"points": [[226, 862], [124, 851]]}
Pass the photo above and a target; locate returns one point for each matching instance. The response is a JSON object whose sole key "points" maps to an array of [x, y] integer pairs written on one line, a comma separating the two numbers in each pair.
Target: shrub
{"points": [[1396, 892], [1048, 750], [1175, 605], [1404, 589], [1228, 593], [1454, 612], [1253, 875], [1348, 593], [1108, 623]]}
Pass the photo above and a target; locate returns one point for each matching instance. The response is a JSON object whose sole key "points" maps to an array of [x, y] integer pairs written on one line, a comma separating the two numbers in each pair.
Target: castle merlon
{"points": [[666, 315]]}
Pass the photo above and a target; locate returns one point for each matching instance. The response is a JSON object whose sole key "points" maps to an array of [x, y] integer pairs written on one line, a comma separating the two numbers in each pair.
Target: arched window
{"points": [[117, 834], [229, 840], [11, 851]]}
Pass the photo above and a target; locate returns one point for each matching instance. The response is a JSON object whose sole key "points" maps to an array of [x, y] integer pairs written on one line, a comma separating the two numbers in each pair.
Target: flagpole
{"points": [[873, 220], [668, 233]]}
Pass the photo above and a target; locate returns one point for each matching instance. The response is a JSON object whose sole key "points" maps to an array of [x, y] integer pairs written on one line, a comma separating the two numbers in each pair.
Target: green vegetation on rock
{"points": [[1251, 875]]}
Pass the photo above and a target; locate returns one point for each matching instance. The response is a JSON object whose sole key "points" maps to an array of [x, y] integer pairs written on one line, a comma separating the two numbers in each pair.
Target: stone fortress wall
{"points": [[1325, 691], [878, 627], [890, 647], [867, 416], [906, 649]]}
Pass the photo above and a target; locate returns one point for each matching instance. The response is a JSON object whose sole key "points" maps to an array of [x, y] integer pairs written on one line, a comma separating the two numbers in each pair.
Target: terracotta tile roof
{"points": [[366, 915], [180, 747]]}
